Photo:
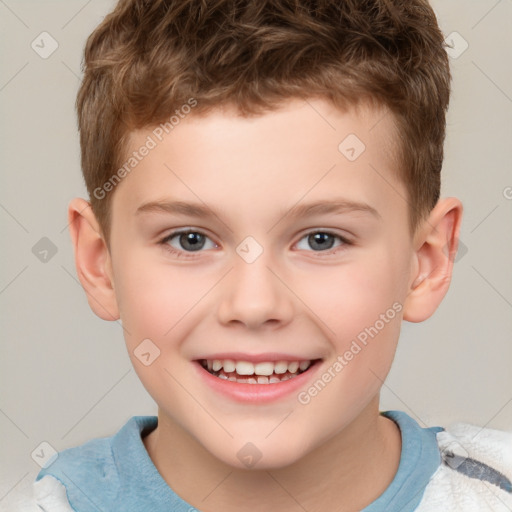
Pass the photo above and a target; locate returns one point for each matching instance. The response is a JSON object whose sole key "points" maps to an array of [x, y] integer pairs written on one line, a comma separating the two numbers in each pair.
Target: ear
{"points": [[436, 243], [92, 260]]}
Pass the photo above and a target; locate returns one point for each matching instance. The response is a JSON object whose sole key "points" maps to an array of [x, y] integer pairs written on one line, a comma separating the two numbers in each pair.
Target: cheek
{"points": [[154, 301], [360, 304], [363, 313], [149, 301], [157, 300], [351, 297]]}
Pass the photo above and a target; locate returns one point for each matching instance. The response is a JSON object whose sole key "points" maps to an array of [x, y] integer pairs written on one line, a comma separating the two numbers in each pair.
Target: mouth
{"points": [[264, 372]]}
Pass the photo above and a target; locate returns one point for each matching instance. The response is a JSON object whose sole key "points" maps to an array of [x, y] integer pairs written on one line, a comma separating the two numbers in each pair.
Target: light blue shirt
{"points": [[116, 473]]}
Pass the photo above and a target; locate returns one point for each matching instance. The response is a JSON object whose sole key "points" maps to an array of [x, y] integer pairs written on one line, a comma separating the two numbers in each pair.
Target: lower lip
{"points": [[256, 393]]}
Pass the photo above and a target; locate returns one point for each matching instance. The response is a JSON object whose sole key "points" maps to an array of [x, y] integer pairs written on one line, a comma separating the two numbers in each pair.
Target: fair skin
{"points": [[295, 298]]}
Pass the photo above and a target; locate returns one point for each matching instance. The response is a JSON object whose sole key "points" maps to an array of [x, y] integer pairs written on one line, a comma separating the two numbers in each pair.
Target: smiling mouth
{"points": [[245, 372]]}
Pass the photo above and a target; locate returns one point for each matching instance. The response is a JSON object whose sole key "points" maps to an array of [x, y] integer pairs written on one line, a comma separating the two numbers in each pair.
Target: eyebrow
{"points": [[299, 210]]}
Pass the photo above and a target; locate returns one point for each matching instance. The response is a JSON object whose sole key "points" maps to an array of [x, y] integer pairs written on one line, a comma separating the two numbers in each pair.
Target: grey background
{"points": [[65, 376]]}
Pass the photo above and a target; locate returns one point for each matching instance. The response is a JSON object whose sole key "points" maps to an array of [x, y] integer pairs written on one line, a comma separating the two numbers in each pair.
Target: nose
{"points": [[254, 295]]}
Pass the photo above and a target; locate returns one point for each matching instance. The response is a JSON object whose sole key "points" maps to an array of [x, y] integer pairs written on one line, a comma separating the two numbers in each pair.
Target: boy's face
{"points": [[257, 287]]}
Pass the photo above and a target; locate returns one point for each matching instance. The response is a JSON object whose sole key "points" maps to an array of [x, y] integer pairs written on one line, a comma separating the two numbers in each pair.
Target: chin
{"points": [[254, 456]]}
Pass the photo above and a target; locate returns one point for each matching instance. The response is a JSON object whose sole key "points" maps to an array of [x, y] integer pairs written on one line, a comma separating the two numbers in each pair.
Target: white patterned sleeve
{"points": [[50, 495]]}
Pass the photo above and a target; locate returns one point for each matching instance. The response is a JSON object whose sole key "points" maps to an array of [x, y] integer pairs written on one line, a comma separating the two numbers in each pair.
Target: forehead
{"points": [[305, 151]]}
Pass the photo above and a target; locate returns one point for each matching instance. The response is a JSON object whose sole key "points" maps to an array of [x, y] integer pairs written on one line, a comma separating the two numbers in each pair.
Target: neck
{"points": [[351, 469]]}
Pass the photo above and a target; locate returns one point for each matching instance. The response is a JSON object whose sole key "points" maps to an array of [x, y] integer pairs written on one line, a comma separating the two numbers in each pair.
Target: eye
{"points": [[186, 240], [322, 241], [183, 243]]}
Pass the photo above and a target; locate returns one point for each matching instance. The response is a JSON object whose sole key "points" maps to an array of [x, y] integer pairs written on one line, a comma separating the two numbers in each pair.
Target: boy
{"points": [[223, 143]]}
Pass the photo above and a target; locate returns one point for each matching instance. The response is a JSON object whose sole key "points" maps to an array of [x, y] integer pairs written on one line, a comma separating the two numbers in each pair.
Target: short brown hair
{"points": [[149, 57]]}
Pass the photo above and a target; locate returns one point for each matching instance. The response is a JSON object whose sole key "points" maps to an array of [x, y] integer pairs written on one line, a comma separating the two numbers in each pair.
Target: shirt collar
{"points": [[145, 489], [419, 460]]}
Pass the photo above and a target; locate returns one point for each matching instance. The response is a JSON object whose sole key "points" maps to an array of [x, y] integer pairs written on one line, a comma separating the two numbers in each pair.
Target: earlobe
{"points": [[92, 260], [436, 241]]}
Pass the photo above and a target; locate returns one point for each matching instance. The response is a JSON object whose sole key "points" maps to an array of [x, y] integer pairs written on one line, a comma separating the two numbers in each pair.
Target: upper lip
{"points": [[256, 358]]}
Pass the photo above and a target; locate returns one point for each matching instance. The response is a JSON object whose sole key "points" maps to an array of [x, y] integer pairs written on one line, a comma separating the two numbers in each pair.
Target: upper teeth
{"points": [[264, 368]]}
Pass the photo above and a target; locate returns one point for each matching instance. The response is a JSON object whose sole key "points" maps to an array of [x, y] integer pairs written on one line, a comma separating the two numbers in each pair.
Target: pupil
{"points": [[192, 241], [317, 239]]}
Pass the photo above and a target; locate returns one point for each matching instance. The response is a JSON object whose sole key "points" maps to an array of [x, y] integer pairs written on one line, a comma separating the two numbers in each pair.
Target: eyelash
{"points": [[185, 254]]}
